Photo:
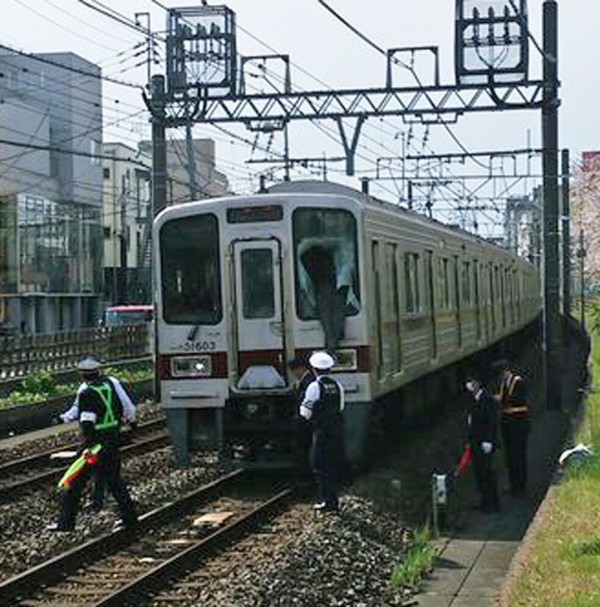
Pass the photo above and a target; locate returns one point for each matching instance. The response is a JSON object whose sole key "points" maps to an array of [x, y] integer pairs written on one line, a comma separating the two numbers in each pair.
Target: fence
{"points": [[25, 354]]}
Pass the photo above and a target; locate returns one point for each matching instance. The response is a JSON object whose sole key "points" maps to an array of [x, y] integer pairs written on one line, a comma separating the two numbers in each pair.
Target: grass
{"points": [[563, 563], [417, 562]]}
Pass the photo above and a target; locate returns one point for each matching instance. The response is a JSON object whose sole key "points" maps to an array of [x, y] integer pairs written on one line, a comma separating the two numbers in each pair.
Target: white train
{"points": [[246, 283]]}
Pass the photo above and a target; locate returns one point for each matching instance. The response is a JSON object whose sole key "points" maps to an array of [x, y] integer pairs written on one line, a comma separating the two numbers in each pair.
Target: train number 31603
{"points": [[199, 346]]}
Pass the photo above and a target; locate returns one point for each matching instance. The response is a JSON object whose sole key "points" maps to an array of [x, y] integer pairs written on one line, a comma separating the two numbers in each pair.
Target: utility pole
{"points": [[159, 145], [581, 255], [191, 156], [566, 232], [551, 282]]}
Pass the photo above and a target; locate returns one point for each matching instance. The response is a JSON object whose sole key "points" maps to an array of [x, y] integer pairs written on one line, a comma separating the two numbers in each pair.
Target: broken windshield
{"points": [[326, 263]]}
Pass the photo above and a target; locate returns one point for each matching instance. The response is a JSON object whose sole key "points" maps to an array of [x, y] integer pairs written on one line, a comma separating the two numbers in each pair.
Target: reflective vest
{"points": [[327, 413], [110, 420], [509, 405]]}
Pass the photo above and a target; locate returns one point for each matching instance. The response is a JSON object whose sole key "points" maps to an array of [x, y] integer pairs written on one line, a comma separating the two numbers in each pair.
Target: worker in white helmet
{"points": [[101, 412], [322, 405]]}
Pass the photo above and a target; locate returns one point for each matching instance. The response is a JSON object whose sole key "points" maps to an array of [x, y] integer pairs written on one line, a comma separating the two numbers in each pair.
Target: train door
{"points": [[429, 282], [258, 317]]}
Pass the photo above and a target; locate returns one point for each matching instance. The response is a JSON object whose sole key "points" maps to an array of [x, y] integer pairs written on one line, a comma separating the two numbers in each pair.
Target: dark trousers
{"points": [[325, 456], [303, 445], [485, 479], [515, 432], [107, 470], [99, 489]]}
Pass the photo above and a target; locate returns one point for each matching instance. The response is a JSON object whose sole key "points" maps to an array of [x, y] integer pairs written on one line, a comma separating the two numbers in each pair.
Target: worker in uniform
{"points": [[101, 410], [483, 442], [303, 376], [515, 424], [130, 415], [322, 406]]}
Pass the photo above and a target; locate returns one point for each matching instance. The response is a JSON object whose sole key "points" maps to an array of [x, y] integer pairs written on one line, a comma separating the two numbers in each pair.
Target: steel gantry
{"points": [[491, 65]]}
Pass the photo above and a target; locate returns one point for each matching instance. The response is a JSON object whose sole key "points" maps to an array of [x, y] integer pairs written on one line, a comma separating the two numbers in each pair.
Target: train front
{"points": [[243, 286]]}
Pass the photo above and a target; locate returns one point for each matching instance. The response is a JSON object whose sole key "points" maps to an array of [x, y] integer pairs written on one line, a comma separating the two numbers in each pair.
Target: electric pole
{"points": [[159, 145], [566, 232], [551, 282]]}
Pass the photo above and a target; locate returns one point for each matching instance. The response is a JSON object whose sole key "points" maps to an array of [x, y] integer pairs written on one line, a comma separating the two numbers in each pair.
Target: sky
{"points": [[321, 48]]}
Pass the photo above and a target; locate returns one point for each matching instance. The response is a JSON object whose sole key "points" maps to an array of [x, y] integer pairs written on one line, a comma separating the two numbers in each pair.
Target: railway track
{"points": [[125, 568], [34, 470]]}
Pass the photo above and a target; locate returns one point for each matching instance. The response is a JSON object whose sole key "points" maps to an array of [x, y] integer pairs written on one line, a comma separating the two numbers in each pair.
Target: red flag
{"points": [[465, 460]]}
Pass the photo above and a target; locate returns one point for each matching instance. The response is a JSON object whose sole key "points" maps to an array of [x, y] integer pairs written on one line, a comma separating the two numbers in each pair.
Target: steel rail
{"points": [[155, 579], [42, 456], [58, 568]]}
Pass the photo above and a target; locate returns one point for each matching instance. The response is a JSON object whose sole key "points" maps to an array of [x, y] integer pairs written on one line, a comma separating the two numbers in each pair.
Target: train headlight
{"points": [[346, 360], [191, 366], [252, 408]]}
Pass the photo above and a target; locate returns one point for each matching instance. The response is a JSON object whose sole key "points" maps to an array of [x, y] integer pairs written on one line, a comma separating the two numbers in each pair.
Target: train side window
{"points": [[394, 312], [444, 283], [258, 292], [466, 283], [378, 316], [411, 283], [477, 299], [492, 298]]}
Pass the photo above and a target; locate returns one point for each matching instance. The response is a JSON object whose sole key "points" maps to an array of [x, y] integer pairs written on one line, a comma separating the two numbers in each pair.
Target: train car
{"points": [[246, 283]]}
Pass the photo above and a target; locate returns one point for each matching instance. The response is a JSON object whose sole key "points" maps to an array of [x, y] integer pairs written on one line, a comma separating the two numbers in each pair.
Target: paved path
{"points": [[474, 563]]}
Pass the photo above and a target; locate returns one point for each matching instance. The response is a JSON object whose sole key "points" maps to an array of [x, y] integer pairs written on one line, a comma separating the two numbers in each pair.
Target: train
{"points": [[246, 283]]}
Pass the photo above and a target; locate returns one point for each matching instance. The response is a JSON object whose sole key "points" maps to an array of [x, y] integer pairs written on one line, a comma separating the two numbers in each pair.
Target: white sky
{"points": [[323, 47]]}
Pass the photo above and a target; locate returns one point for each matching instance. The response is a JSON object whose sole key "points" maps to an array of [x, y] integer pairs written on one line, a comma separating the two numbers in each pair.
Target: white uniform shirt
{"points": [[129, 410]]}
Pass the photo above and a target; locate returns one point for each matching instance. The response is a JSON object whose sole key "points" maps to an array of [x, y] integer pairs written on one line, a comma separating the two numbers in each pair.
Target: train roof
{"points": [[327, 188]]}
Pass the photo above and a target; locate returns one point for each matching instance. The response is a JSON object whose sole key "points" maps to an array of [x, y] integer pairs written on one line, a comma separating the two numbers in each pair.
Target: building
{"points": [[50, 192], [126, 222], [181, 172]]}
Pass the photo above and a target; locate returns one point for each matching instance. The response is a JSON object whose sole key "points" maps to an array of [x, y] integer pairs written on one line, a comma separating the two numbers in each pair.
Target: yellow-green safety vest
{"points": [[110, 420]]}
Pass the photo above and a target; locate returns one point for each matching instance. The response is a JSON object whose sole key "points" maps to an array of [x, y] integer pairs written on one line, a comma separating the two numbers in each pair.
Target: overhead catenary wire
{"points": [[70, 68]]}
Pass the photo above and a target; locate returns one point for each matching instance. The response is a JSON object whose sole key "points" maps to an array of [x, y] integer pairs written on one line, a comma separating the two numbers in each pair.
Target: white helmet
{"points": [[88, 364], [321, 361]]}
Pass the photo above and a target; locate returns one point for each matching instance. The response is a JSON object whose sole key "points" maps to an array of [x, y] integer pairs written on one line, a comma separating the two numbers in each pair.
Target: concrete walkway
{"points": [[475, 561]]}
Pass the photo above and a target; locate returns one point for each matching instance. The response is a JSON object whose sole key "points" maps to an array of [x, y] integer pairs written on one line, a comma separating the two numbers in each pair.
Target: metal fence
{"points": [[25, 354]]}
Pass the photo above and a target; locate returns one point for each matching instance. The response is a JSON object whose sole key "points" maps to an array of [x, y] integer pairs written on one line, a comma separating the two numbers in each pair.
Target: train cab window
{"points": [[258, 291], [190, 270], [326, 263], [411, 283]]}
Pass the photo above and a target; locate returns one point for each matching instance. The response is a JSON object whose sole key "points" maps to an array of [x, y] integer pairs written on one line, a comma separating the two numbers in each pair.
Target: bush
{"points": [[43, 386]]}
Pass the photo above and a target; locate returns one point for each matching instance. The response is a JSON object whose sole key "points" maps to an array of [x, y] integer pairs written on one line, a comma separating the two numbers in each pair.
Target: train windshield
{"points": [[190, 268], [326, 262]]}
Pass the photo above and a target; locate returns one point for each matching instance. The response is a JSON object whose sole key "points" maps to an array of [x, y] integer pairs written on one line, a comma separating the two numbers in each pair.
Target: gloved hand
{"points": [[86, 453], [486, 447]]}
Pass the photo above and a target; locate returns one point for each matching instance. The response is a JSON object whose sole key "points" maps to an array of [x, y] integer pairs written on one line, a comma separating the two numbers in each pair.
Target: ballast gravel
{"points": [[152, 478]]}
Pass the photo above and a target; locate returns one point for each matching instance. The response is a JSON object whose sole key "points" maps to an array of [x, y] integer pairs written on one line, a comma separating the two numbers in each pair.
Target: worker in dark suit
{"points": [[515, 423], [483, 442]]}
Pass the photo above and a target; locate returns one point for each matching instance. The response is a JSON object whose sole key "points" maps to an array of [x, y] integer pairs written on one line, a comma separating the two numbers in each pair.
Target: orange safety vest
{"points": [[508, 387]]}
